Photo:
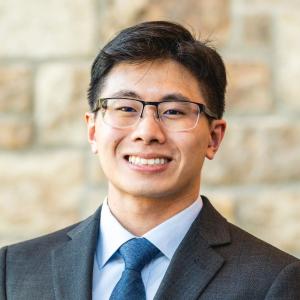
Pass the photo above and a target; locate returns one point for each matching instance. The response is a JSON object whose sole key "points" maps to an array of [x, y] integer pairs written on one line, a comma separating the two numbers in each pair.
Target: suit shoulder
{"points": [[252, 246], [44, 241], [48, 241]]}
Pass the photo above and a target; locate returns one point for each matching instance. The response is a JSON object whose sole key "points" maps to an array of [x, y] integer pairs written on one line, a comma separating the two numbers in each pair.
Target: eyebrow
{"points": [[134, 95], [126, 93], [176, 97]]}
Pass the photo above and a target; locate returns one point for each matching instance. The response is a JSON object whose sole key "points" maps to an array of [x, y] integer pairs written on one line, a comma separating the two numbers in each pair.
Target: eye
{"points": [[173, 112], [125, 109]]}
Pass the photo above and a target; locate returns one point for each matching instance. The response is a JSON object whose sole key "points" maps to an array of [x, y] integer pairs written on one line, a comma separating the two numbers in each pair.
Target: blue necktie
{"points": [[136, 253]]}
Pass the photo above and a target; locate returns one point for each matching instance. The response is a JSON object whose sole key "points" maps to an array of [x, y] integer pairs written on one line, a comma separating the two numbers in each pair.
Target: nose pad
{"points": [[155, 113], [149, 129]]}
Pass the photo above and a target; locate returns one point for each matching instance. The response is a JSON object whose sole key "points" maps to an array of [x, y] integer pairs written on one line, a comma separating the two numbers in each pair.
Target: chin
{"points": [[147, 193], [151, 191]]}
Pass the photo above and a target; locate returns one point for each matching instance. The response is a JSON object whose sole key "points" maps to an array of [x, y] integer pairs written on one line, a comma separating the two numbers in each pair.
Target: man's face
{"points": [[180, 154]]}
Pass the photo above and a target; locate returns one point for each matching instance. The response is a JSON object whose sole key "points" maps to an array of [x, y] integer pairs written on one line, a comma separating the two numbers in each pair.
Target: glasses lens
{"points": [[178, 115], [121, 112]]}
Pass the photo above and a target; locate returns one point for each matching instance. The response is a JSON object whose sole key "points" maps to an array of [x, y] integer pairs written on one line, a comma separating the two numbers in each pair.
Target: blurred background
{"points": [[48, 176]]}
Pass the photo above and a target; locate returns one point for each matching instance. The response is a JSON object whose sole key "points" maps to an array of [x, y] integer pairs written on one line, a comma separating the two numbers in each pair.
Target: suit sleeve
{"points": [[3, 273], [286, 285]]}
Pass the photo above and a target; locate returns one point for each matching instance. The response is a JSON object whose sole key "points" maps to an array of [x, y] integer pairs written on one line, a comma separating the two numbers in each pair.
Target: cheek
{"points": [[107, 145], [191, 144], [192, 150], [108, 140]]}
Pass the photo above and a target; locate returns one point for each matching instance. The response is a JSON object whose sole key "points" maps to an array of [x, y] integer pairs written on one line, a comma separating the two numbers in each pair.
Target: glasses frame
{"points": [[202, 107]]}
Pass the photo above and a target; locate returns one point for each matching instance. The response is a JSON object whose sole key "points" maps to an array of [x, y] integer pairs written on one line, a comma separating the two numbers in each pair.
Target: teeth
{"points": [[143, 161]]}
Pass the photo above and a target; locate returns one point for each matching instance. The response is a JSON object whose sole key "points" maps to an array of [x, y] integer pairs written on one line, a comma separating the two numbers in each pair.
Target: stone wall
{"points": [[49, 178]]}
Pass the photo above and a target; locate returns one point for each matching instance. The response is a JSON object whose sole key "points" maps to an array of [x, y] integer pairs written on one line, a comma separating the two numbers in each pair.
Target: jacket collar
{"points": [[195, 262]]}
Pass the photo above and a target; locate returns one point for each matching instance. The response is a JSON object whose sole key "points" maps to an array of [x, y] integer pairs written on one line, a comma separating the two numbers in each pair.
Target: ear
{"points": [[217, 131], [91, 128]]}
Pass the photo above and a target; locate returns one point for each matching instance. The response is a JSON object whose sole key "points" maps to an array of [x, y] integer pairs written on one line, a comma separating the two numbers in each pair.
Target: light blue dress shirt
{"points": [[109, 265]]}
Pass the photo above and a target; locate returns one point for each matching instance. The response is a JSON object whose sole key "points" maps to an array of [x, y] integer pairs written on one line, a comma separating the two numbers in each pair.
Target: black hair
{"points": [[154, 40]]}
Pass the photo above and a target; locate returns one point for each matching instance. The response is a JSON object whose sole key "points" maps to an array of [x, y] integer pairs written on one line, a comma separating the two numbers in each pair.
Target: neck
{"points": [[140, 214]]}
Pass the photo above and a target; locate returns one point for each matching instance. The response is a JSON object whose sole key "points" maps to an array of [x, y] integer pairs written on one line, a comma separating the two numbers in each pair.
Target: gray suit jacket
{"points": [[216, 260]]}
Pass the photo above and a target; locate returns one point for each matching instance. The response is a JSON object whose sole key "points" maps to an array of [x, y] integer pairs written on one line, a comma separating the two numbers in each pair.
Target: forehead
{"points": [[152, 80]]}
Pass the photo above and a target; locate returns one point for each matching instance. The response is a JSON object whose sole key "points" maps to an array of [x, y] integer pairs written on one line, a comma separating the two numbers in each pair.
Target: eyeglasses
{"points": [[175, 115]]}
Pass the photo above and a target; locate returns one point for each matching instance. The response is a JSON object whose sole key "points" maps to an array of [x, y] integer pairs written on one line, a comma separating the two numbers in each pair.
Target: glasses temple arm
{"points": [[208, 112]]}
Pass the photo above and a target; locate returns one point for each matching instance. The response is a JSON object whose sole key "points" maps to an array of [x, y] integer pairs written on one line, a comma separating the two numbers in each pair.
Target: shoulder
{"points": [[26, 268], [43, 242], [268, 266], [47, 242], [27, 262], [246, 257], [264, 265], [237, 241], [31, 254], [249, 246]]}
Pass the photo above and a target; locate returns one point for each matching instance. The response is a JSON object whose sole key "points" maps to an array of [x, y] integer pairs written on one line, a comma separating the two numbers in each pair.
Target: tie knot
{"points": [[137, 253]]}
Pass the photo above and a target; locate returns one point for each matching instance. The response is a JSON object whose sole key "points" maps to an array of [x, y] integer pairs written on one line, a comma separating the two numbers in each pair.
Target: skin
{"points": [[141, 197]]}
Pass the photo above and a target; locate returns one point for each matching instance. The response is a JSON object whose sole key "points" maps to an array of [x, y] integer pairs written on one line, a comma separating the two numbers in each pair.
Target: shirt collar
{"points": [[112, 234], [168, 235]]}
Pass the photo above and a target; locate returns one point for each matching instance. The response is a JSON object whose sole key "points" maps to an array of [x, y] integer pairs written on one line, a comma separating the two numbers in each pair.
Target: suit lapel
{"points": [[72, 263], [195, 262]]}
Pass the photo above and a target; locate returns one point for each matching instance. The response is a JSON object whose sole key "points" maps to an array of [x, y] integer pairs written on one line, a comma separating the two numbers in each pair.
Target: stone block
{"points": [[235, 158], [257, 30], [39, 192], [15, 133], [41, 29], [94, 196], [209, 19], [60, 103], [267, 5], [15, 88], [249, 88], [279, 156], [255, 151], [288, 60], [115, 16], [222, 199]]}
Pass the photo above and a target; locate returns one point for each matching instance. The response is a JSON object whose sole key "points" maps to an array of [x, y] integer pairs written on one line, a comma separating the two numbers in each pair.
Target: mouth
{"points": [[151, 161]]}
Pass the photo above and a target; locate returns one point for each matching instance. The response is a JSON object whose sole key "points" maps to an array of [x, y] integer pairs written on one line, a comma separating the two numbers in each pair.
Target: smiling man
{"points": [[156, 101]]}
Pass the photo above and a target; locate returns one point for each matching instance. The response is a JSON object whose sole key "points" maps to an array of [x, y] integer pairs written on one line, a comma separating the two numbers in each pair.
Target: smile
{"points": [[135, 160]]}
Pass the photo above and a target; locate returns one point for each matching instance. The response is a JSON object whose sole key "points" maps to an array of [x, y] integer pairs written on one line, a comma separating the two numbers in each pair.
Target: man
{"points": [[157, 99]]}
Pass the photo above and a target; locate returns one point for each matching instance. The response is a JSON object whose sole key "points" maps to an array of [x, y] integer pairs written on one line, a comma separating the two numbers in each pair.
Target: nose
{"points": [[149, 129]]}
